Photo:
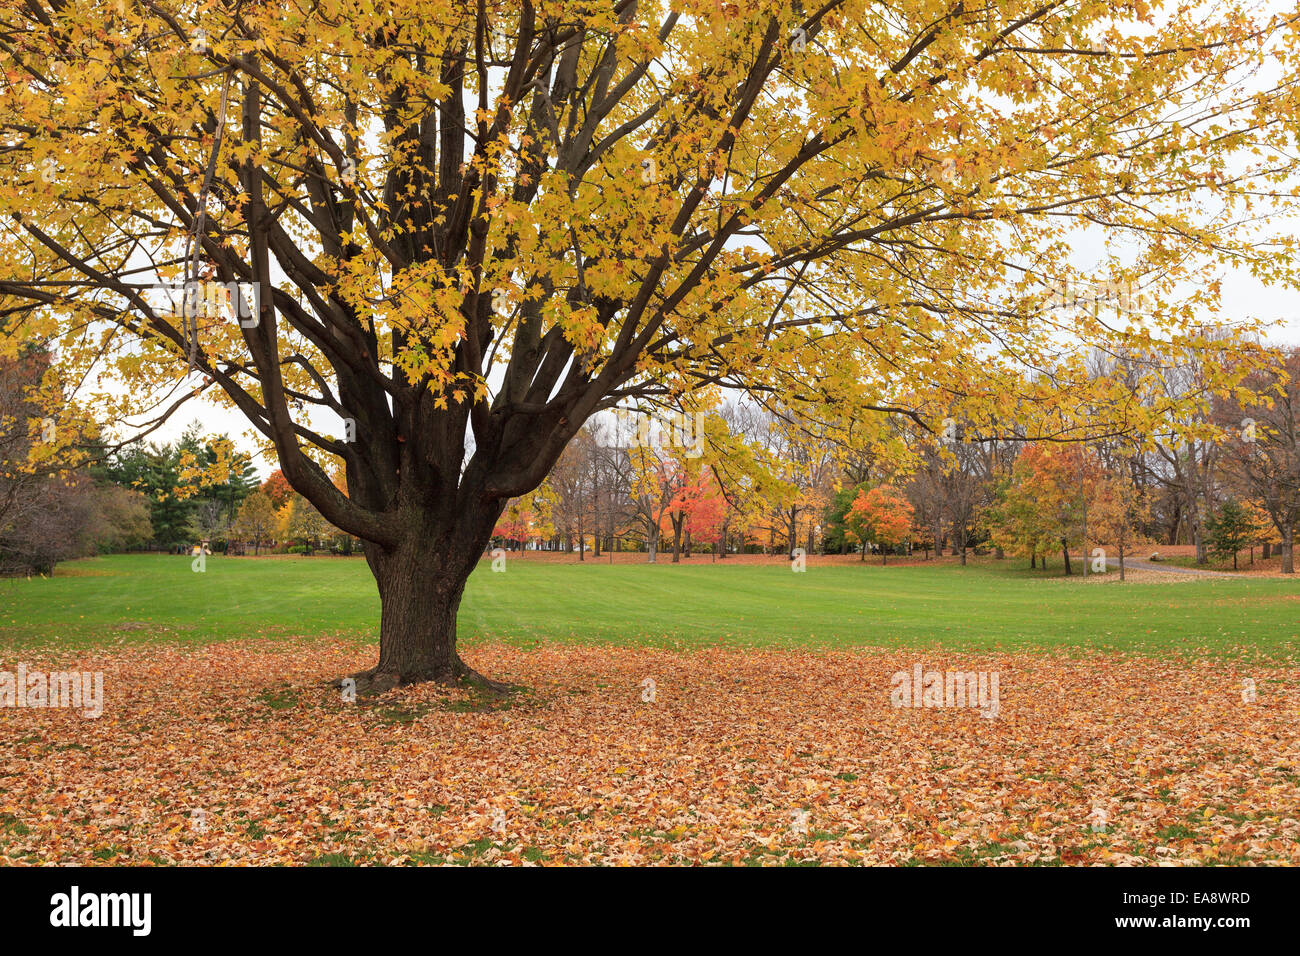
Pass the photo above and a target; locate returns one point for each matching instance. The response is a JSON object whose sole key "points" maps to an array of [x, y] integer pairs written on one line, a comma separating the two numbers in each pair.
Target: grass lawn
{"points": [[129, 599]]}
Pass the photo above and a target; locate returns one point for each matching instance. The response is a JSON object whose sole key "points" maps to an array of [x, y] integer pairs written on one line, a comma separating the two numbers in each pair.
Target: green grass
{"points": [[147, 598]]}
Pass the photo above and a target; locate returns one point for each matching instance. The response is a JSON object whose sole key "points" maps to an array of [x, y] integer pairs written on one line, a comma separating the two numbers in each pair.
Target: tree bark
{"points": [[1065, 553], [421, 583], [1288, 552]]}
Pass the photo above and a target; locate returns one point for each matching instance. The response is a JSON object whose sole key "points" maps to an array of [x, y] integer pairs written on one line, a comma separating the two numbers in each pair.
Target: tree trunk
{"points": [[1194, 519], [420, 587], [677, 519], [1288, 552], [652, 545], [1065, 554]]}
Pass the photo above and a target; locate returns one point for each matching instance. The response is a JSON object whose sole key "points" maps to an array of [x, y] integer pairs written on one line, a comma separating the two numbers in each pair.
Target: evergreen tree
{"points": [[1230, 529]]}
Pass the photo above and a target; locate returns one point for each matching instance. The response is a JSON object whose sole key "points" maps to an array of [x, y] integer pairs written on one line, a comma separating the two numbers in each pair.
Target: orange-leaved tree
{"points": [[881, 515], [1044, 504]]}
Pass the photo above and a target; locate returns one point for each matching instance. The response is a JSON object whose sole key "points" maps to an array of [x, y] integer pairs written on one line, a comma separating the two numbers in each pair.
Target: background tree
{"points": [[1263, 446], [657, 479], [121, 519], [1044, 504], [300, 521], [1230, 529], [883, 516], [518, 524], [572, 482], [221, 479], [837, 533], [697, 510], [257, 521], [277, 489], [1117, 513], [964, 492], [155, 470], [1261, 526]]}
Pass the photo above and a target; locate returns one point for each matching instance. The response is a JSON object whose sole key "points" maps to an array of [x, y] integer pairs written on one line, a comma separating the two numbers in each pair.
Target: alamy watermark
{"points": [[208, 298], [75, 690], [931, 688], [129, 910], [1118, 295], [638, 429]]}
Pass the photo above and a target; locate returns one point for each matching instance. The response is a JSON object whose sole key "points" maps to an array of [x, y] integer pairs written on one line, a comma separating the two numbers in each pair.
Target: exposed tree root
{"points": [[374, 682]]}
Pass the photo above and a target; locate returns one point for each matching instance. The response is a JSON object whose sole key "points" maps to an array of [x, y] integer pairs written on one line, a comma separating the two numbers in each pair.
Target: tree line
{"points": [[1224, 477]]}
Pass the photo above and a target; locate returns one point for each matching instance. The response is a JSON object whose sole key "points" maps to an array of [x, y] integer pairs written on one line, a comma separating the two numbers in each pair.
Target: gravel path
{"points": [[1139, 564]]}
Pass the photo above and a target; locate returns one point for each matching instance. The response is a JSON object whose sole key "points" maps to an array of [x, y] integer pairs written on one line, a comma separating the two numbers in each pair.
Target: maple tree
{"points": [[257, 521], [277, 489], [880, 515], [658, 477], [518, 523], [1045, 502], [300, 521], [697, 510], [1259, 524], [462, 229], [1116, 514]]}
